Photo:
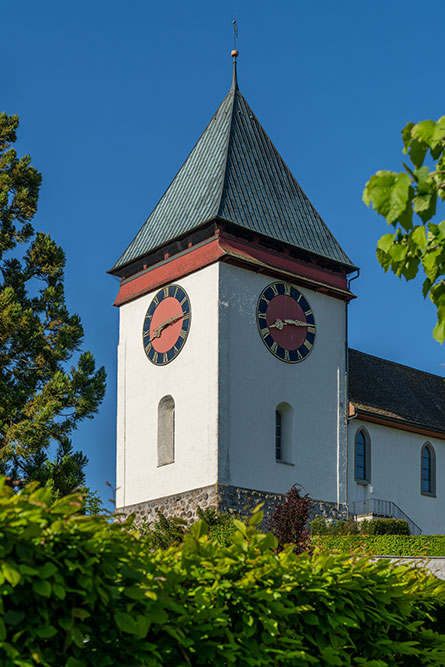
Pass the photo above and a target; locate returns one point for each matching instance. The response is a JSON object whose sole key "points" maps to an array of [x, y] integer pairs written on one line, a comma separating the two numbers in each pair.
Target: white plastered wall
{"points": [[395, 473], [253, 382], [191, 379]]}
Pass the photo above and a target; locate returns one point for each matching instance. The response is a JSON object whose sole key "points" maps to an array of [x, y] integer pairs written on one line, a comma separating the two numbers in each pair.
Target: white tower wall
{"points": [[191, 379], [253, 382]]}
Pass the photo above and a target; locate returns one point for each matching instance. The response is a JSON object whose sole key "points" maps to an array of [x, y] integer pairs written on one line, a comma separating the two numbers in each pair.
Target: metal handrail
{"points": [[385, 508]]}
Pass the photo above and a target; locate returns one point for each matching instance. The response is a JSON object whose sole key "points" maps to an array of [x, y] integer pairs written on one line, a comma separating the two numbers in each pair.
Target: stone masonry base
{"points": [[222, 497]]}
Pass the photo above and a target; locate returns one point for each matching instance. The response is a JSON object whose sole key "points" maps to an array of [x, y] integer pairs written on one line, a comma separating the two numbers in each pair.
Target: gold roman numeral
{"points": [[274, 289], [308, 312], [274, 347], [286, 355], [307, 345], [287, 289]]}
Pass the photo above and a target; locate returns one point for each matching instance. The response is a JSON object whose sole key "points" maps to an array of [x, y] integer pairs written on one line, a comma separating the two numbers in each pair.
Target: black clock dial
{"points": [[286, 322], [166, 325]]}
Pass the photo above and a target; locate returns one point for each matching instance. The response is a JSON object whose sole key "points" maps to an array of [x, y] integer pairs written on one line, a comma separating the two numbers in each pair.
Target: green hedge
{"points": [[384, 527], [378, 526], [384, 545], [78, 591]]}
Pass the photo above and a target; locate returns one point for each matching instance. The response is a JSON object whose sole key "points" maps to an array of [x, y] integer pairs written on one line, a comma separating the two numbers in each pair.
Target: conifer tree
{"points": [[43, 393]]}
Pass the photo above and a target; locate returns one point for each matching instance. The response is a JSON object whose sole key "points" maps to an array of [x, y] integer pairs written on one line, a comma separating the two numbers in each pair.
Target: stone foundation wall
{"points": [[183, 505], [327, 510], [223, 497]]}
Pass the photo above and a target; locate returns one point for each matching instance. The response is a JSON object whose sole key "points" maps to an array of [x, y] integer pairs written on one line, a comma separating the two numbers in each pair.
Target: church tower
{"points": [[232, 341]]}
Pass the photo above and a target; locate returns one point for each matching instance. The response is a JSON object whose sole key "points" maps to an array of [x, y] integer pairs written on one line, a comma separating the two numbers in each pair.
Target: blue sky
{"points": [[113, 95]]}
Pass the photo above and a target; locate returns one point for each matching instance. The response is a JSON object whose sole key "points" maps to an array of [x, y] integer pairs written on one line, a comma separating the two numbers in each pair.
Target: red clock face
{"points": [[166, 325], [285, 322]]}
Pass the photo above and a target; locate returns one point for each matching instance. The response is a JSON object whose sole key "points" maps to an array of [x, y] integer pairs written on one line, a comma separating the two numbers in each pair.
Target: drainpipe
{"points": [[347, 394]]}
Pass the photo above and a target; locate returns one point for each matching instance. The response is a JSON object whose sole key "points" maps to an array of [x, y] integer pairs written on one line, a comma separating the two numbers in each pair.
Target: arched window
{"points": [[283, 433], [166, 431], [362, 457], [428, 470]]}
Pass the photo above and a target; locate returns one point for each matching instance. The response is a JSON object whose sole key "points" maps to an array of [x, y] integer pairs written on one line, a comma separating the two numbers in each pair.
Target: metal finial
{"points": [[235, 35]]}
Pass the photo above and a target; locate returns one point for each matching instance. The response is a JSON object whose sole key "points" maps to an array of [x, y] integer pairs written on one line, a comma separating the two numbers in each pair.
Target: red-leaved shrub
{"points": [[288, 521]]}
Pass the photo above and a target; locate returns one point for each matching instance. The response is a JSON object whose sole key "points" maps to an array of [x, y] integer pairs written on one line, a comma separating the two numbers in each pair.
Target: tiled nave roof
{"points": [[393, 391]]}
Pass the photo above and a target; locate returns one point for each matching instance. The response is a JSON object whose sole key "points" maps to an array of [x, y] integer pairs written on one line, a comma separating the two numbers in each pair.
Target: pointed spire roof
{"points": [[235, 173]]}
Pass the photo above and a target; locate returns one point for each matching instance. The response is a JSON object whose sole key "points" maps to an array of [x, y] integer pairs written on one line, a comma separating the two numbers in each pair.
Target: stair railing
{"points": [[384, 508]]}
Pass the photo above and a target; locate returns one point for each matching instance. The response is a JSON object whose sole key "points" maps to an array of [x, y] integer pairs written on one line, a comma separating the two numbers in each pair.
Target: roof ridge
{"points": [[396, 363], [233, 90]]}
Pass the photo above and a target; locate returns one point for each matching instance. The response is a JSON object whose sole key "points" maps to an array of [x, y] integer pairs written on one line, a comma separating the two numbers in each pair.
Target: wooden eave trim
{"points": [[224, 247], [210, 224], [281, 265], [392, 422], [190, 260], [225, 226], [262, 241]]}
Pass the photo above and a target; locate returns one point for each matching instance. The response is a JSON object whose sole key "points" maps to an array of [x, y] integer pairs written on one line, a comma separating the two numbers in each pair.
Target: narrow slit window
{"points": [[166, 431], [284, 433], [278, 434]]}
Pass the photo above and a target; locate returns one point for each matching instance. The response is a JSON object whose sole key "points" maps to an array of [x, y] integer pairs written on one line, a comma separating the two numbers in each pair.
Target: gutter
{"points": [[393, 422]]}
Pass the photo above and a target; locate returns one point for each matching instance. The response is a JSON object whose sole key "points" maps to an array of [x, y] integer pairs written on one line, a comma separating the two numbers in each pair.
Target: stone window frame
{"points": [[366, 479], [432, 481], [166, 431]]}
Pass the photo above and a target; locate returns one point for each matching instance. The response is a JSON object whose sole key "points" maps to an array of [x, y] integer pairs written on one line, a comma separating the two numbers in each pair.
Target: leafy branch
{"points": [[408, 202]]}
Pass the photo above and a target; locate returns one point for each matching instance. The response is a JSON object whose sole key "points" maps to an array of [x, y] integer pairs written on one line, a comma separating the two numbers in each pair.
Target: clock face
{"points": [[285, 322], [166, 325]]}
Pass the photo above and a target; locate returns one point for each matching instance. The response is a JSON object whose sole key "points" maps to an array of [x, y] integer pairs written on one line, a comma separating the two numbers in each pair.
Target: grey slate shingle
{"points": [[234, 172], [399, 392]]}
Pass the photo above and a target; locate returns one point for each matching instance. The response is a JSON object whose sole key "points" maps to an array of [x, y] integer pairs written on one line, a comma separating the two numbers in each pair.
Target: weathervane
{"points": [[235, 39]]}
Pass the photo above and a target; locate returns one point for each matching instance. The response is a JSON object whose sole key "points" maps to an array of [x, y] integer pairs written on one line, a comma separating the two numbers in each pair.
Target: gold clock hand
{"points": [[279, 324], [158, 331], [299, 323]]}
